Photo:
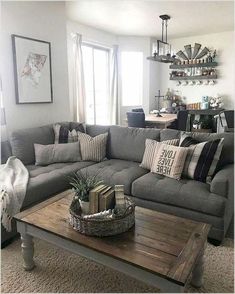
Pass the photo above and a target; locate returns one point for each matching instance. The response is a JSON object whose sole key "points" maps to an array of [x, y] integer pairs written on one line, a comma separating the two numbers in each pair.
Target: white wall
{"points": [[224, 45], [39, 20], [141, 44]]}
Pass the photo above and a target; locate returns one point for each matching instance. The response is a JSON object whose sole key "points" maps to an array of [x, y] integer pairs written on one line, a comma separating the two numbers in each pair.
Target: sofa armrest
{"points": [[223, 182]]}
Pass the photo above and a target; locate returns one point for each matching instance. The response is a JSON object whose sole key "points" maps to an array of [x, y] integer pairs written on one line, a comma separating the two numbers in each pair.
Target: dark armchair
{"points": [[226, 121], [137, 110], [136, 119], [181, 122]]}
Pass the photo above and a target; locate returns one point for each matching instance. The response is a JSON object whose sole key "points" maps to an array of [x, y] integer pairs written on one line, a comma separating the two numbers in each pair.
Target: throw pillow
{"points": [[65, 135], [202, 158], [150, 146], [54, 153], [169, 160], [93, 148]]}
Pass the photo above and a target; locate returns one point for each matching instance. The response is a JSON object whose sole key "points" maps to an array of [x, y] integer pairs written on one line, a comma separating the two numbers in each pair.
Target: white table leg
{"points": [[27, 251], [197, 274]]}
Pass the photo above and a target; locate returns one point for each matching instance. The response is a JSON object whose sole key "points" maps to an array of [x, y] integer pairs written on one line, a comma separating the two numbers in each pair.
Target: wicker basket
{"points": [[103, 227]]}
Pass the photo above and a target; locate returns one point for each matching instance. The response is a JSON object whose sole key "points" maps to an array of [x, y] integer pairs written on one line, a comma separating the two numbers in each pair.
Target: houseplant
{"points": [[82, 184]]}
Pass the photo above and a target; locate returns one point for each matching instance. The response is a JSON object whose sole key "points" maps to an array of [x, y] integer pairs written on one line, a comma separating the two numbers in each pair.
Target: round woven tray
{"points": [[103, 227]]}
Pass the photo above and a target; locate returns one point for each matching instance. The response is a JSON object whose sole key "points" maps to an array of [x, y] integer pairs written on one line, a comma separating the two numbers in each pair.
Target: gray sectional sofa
{"points": [[187, 198]]}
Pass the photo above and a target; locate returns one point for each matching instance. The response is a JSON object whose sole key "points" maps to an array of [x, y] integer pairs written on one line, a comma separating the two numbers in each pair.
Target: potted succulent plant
{"points": [[82, 184]]}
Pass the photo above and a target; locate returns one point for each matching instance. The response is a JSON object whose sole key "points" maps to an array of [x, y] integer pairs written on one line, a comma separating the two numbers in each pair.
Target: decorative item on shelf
{"points": [[191, 106], [211, 82], [216, 102], [82, 184], [196, 125], [204, 103], [209, 58], [214, 56], [161, 49]]}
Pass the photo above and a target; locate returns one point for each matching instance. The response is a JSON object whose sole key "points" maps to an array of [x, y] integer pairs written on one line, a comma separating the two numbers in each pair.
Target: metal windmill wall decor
{"points": [[195, 64]]}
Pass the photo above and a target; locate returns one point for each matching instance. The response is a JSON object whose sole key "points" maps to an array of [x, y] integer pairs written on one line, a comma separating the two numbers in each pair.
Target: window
{"points": [[96, 75], [132, 78]]}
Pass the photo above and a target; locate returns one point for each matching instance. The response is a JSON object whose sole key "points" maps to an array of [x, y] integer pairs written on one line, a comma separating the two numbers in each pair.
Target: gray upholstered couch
{"points": [[187, 198]]}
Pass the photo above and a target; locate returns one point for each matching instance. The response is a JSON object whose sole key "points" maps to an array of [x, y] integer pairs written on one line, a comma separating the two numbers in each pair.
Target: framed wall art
{"points": [[32, 70]]}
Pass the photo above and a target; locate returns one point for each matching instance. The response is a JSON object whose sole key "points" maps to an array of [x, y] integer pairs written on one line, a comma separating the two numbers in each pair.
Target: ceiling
{"points": [[141, 17]]}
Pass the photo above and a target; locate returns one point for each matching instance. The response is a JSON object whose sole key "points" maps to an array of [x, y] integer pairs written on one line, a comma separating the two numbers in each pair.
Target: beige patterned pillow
{"points": [[169, 160], [93, 148], [150, 146]]}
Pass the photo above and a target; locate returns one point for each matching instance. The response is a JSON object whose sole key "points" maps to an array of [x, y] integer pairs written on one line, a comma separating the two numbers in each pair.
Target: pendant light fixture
{"points": [[161, 50]]}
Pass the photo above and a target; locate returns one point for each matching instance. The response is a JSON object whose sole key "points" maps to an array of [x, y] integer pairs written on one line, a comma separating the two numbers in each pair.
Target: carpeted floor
{"points": [[60, 271]]}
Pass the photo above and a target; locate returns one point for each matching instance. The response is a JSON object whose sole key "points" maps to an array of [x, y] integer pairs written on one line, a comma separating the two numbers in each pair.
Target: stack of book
{"points": [[101, 198]]}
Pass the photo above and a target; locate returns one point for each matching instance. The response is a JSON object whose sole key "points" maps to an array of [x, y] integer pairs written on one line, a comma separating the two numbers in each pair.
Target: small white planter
{"points": [[85, 206]]}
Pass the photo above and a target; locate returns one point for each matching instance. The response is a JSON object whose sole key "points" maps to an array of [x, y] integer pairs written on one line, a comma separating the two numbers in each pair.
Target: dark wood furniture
{"points": [[162, 250], [206, 114]]}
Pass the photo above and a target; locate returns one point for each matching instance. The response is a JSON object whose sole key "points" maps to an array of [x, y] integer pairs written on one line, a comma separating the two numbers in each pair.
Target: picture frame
{"points": [[32, 70]]}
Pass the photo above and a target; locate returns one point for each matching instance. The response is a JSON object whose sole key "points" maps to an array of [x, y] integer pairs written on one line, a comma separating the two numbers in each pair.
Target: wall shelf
{"points": [[188, 78], [180, 66]]}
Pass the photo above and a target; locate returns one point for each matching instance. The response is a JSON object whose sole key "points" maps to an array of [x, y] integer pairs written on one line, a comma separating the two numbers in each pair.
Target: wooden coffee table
{"points": [[161, 250]]}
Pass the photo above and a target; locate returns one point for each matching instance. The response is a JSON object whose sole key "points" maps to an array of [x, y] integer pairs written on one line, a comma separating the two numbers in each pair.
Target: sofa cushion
{"points": [[129, 143], [185, 193], [150, 146], [116, 172], [227, 154], [169, 134], [22, 142], [45, 181], [169, 160], [94, 130], [65, 134], [93, 148], [53, 153], [202, 158]]}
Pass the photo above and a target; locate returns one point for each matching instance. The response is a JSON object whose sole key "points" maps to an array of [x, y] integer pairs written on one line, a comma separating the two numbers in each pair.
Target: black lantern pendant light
{"points": [[161, 50]]}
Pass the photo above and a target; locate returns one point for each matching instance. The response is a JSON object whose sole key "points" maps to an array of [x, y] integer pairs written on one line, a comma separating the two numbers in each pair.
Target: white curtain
{"points": [[115, 105], [79, 113]]}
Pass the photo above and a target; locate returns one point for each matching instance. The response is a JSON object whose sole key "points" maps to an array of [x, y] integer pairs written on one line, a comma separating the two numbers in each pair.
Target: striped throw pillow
{"points": [[93, 148], [64, 135], [169, 160], [150, 146], [202, 158]]}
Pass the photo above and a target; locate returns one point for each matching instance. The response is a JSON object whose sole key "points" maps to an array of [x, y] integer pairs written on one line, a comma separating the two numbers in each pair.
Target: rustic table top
{"points": [[163, 244], [166, 118]]}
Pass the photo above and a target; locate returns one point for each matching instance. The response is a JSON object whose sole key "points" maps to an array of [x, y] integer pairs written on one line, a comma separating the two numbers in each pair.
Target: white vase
{"points": [[85, 206]]}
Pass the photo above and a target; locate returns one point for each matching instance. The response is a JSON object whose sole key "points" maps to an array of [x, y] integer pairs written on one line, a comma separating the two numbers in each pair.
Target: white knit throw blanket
{"points": [[13, 184]]}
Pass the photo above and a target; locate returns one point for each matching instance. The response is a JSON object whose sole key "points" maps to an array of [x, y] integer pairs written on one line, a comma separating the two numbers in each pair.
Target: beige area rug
{"points": [[58, 270]]}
